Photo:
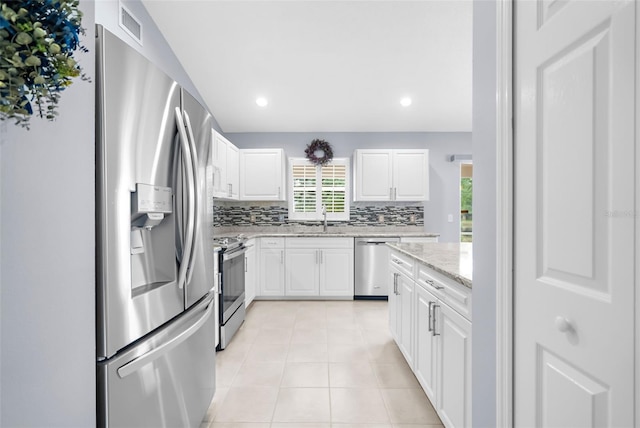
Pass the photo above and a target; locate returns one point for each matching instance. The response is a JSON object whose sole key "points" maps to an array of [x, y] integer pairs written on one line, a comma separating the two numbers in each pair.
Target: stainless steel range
{"points": [[231, 289]]}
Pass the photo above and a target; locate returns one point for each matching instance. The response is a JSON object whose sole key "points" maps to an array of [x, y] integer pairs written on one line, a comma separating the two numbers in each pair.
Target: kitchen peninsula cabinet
{"points": [[439, 351], [262, 175], [401, 304], [391, 175]]}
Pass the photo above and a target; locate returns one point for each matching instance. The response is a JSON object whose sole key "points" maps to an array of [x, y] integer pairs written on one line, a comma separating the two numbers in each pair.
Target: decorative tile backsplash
{"points": [[227, 214]]}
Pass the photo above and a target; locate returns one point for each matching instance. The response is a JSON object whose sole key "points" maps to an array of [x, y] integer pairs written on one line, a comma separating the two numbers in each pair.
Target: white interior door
{"points": [[574, 222]]}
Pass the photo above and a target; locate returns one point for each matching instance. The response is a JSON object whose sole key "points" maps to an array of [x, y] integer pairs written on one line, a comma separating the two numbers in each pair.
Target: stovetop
{"points": [[230, 242]]}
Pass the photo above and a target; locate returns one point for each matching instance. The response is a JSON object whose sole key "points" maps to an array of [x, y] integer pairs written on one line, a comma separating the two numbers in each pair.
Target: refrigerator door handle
{"points": [[186, 253], [196, 185], [134, 365]]}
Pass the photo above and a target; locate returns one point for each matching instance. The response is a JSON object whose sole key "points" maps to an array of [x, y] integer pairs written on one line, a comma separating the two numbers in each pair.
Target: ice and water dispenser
{"points": [[152, 237]]}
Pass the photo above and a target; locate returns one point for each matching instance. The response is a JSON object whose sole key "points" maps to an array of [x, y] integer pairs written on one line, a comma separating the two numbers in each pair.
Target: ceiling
{"points": [[326, 66]]}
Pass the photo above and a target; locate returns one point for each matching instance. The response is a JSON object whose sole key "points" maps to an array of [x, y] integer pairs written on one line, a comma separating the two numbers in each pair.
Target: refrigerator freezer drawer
{"points": [[167, 380]]}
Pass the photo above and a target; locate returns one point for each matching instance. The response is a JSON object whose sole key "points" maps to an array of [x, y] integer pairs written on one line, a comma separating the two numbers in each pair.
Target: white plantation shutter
{"points": [[305, 185], [312, 186], [334, 188]]}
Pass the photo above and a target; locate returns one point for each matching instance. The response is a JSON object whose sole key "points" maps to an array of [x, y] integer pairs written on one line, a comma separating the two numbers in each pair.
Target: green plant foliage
{"points": [[37, 42]]}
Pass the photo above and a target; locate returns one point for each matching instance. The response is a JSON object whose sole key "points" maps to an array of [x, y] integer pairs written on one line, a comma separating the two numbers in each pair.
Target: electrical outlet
{"points": [[281, 218], [253, 218], [412, 218], [450, 218], [380, 218]]}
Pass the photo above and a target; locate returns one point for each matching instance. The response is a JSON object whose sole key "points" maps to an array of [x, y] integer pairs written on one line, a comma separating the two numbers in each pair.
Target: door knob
{"points": [[563, 324]]}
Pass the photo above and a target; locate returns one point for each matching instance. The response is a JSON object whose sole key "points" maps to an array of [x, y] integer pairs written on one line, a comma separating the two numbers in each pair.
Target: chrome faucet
{"points": [[324, 218]]}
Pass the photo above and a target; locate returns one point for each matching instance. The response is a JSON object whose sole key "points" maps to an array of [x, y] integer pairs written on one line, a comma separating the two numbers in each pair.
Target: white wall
{"points": [[444, 176], [484, 214], [154, 46], [47, 274]]}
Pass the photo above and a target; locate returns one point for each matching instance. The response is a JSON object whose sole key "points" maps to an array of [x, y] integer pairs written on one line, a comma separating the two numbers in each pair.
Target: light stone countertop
{"points": [[332, 231], [454, 260]]}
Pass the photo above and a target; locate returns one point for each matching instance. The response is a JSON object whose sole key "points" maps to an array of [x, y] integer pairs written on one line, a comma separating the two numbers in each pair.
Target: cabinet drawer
{"points": [[402, 263], [271, 242], [457, 296], [319, 243]]}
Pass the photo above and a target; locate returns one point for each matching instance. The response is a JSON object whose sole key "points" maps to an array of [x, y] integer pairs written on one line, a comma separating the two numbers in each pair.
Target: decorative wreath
{"points": [[319, 152]]}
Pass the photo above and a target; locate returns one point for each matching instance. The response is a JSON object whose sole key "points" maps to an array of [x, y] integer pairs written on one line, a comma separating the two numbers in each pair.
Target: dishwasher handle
{"points": [[381, 241]]}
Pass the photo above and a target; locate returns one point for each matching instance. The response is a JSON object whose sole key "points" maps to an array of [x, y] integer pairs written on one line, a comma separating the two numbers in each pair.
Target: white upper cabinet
{"points": [[373, 175], [226, 168], [391, 175], [262, 175]]}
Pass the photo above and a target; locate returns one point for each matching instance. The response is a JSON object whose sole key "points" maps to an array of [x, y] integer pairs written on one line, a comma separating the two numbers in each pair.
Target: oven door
{"points": [[232, 287]]}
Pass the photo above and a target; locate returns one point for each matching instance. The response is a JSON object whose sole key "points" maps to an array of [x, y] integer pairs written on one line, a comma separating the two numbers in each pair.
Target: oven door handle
{"points": [[233, 254]]}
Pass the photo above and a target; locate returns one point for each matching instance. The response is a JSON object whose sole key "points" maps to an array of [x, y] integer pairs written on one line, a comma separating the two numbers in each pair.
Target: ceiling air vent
{"points": [[130, 24]]}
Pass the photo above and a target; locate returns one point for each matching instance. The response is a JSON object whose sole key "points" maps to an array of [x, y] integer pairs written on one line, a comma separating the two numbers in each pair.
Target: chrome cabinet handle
{"points": [[316, 256], [430, 306], [433, 333], [279, 194], [281, 257], [245, 264], [433, 284], [230, 188], [395, 283], [321, 257], [391, 193]]}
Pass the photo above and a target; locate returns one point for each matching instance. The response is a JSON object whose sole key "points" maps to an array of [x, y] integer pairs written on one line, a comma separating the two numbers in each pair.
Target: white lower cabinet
{"points": [[302, 278], [401, 312], [250, 272], [336, 271], [306, 267], [454, 367], [319, 267], [426, 356], [434, 337], [271, 267]]}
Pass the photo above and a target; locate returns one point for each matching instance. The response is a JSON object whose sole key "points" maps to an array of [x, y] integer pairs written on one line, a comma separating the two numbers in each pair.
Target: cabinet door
{"points": [[302, 272], [411, 175], [271, 272], [405, 300], [393, 302], [336, 272], [262, 175], [454, 367], [425, 359], [219, 162], [233, 171], [374, 179], [251, 275]]}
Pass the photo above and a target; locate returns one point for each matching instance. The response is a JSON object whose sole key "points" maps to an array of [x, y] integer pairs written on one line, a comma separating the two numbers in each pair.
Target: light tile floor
{"points": [[316, 364]]}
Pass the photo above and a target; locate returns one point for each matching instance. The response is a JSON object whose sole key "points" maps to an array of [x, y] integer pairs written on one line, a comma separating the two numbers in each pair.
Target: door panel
{"points": [[425, 343], [336, 272], [302, 278], [574, 192]]}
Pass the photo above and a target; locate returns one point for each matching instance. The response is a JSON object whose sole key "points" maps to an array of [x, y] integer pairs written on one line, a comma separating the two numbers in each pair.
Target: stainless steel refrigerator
{"points": [[155, 280]]}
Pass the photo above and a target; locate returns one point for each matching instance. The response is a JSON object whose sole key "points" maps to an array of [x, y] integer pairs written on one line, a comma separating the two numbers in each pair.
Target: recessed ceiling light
{"points": [[262, 101], [405, 102]]}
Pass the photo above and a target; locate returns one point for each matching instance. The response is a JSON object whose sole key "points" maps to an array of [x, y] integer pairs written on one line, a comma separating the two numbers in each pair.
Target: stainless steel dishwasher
{"points": [[372, 267]]}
